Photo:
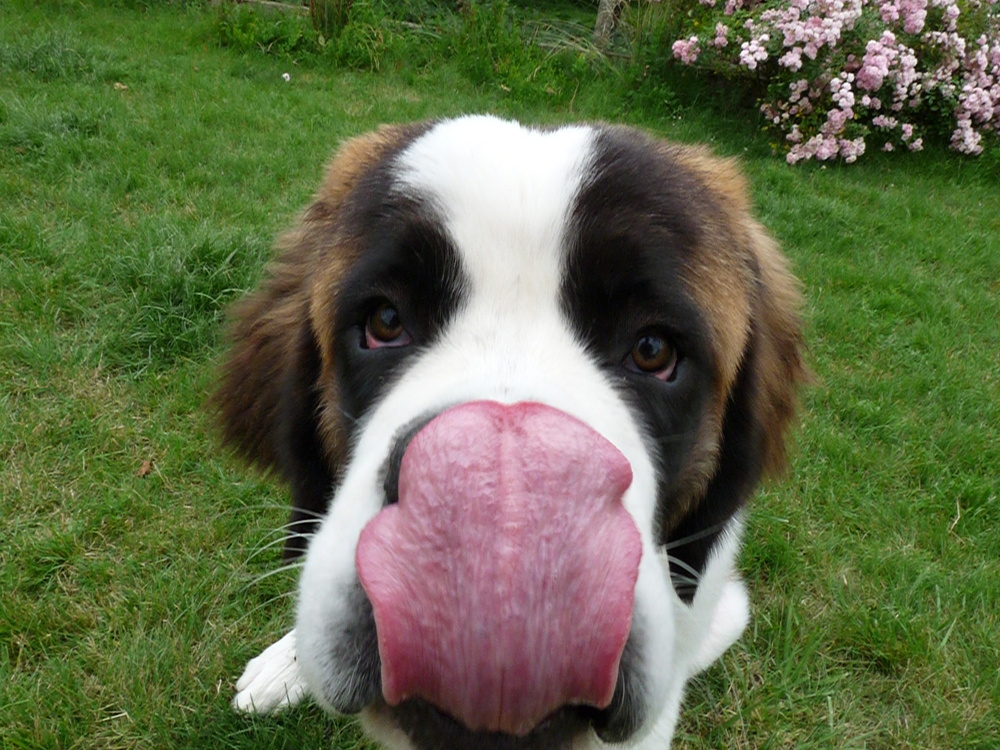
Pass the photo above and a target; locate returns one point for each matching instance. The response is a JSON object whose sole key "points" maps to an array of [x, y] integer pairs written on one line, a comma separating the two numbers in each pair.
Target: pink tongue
{"points": [[502, 581]]}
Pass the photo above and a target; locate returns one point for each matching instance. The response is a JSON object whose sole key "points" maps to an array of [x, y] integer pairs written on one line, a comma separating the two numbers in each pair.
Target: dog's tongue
{"points": [[502, 582]]}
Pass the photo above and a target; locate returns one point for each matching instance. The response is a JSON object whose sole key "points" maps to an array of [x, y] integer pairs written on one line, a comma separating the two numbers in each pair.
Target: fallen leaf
{"points": [[146, 469]]}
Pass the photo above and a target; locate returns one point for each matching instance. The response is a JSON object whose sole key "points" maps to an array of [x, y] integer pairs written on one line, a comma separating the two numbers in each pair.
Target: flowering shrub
{"points": [[845, 74]]}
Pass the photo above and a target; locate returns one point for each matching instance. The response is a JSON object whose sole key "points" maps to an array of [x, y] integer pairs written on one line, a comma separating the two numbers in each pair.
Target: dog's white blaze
{"points": [[504, 193]]}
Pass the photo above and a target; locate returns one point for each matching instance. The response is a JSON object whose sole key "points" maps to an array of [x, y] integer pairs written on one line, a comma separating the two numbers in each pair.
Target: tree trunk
{"points": [[607, 17]]}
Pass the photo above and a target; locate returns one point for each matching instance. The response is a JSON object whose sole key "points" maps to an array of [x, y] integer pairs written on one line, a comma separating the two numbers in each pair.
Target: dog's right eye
{"points": [[653, 354], [384, 328]]}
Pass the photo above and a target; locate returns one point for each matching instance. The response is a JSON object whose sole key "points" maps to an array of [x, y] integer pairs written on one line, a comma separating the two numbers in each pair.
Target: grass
{"points": [[144, 170]]}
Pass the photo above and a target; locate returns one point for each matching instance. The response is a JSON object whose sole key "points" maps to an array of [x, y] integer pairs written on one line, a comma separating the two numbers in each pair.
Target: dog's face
{"points": [[521, 383]]}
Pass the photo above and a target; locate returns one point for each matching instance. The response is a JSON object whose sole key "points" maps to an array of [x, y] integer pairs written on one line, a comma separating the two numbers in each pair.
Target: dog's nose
{"points": [[503, 580]]}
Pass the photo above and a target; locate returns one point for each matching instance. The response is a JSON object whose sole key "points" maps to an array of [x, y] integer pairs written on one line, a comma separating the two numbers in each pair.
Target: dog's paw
{"points": [[729, 619], [271, 681]]}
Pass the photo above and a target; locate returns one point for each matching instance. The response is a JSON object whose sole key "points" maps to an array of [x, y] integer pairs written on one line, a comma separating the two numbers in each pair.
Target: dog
{"points": [[521, 382]]}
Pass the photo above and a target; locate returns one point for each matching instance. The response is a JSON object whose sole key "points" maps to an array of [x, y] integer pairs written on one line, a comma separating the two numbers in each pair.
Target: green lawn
{"points": [[144, 171]]}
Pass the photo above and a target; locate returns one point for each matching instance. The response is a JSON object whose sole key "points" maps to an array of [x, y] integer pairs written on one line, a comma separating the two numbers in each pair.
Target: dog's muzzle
{"points": [[502, 581]]}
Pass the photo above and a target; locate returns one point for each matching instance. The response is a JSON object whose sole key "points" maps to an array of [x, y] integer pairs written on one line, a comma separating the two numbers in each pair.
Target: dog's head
{"points": [[521, 383]]}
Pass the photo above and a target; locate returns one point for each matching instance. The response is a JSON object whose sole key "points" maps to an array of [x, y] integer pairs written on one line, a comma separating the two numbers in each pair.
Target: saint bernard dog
{"points": [[521, 382]]}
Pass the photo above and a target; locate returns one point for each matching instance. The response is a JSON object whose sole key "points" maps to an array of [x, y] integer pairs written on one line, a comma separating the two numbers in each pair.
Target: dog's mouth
{"points": [[502, 581], [429, 728]]}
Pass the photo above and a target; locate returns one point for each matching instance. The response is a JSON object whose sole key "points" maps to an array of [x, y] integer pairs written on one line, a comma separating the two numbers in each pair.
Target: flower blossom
{"points": [[754, 51], [686, 50], [721, 36]]}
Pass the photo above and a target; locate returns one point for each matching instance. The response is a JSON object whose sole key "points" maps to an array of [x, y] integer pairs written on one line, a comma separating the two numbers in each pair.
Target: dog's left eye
{"points": [[653, 354], [384, 328]]}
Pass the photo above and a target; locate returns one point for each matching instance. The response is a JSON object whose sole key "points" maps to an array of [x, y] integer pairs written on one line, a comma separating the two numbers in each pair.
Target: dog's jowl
{"points": [[521, 383]]}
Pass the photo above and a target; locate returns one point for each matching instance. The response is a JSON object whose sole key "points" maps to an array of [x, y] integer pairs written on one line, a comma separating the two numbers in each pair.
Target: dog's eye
{"points": [[653, 355], [385, 328]]}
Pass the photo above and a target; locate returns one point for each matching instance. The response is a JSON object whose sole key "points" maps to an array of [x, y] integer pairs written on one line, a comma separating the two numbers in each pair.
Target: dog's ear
{"points": [[277, 396], [777, 351], [270, 351], [267, 398], [760, 336], [772, 367], [760, 346]]}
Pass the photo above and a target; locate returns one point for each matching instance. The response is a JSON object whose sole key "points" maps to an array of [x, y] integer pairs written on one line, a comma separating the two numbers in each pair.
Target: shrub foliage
{"points": [[843, 75]]}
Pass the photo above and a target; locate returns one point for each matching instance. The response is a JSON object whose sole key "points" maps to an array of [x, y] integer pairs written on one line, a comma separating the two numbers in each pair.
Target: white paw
{"points": [[729, 620], [272, 680]]}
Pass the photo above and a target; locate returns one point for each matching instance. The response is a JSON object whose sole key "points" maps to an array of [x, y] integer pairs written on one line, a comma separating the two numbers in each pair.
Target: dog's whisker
{"points": [[260, 549], [681, 564], [350, 417], [247, 614], [684, 587], [318, 515], [675, 543], [680, 578], [292, 566], [284, 508], [288, 529], [254, 552], [683, 581], [274, 537]]}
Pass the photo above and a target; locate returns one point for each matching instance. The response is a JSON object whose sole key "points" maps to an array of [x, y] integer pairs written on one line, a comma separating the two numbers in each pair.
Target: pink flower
{"points": [[914, 14], [686, 50], [721, 34], [840, 91], [827, 148], [754, 51], [836, 119], [851, 150], [792, 59], [966, 139], [889, 12], [875, 65]]}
